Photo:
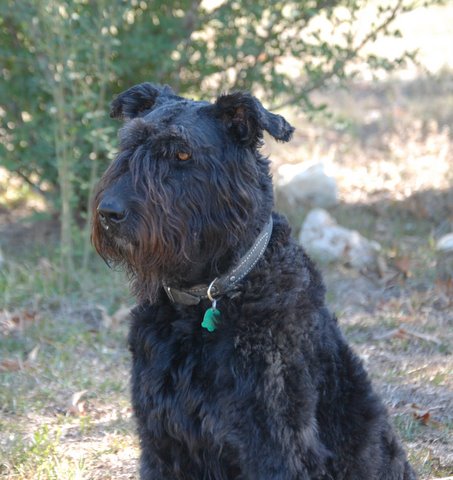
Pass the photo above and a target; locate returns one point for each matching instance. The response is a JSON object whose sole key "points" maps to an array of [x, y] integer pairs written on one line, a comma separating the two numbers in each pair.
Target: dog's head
{"points": [[188, 187]]}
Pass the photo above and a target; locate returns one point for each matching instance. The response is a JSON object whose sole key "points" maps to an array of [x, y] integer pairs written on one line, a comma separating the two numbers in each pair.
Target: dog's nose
{"points": [[112, 210]]}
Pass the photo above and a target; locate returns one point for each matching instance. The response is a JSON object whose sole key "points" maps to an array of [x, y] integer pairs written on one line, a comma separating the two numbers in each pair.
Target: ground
{"points": [[64, 366]]}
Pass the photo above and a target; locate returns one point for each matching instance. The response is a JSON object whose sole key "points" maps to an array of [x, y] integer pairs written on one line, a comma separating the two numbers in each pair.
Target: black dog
{"points": [[239, 371]]}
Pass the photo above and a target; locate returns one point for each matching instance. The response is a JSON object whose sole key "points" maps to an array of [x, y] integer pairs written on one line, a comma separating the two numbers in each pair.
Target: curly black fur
{"points": [[274, 392]]}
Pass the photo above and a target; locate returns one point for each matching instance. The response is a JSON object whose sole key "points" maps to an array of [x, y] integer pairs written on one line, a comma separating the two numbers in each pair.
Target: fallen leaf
{"points": [[77, 405], [15, 364], [423, 336], [22, 316], [446, 286], [422, 417], [11, 365], [6, 324], [394, 333], [16, 320], [33, 354], [404, 332], [403, 264]]}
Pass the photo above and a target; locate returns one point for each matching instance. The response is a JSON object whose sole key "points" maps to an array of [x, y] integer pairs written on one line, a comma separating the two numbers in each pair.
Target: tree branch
{"points": [[36, 188], [305, 92]]}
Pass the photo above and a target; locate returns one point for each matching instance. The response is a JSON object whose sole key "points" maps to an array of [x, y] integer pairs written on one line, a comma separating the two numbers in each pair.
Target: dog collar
{"points": [[225, 283]]}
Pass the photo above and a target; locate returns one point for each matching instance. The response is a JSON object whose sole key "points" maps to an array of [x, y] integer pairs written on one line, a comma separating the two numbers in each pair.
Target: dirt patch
{"points": [[404, 335]]}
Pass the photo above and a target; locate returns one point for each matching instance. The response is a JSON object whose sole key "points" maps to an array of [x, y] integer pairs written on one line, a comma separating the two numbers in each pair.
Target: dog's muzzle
{"points": [[112, 212]]}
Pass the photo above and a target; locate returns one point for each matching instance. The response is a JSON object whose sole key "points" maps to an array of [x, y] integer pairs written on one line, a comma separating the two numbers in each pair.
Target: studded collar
{"points": [[225, 283]]}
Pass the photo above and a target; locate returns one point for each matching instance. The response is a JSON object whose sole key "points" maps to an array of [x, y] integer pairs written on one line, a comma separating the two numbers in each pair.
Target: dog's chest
{"points": [[184, 379]]}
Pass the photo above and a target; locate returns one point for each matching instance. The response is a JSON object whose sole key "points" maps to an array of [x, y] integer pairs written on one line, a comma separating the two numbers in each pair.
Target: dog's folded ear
{"points": [[246, 117], [138, 100]]}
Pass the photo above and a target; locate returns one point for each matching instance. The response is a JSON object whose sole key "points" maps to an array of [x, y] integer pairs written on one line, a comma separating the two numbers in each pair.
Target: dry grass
{"points": [[64, 397]]}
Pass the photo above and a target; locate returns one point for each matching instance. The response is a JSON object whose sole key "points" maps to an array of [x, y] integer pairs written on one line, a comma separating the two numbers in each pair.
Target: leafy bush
{"points": [[63, 61]]}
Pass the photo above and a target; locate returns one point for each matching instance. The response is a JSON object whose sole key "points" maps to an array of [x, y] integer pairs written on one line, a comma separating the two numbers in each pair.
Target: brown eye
{"points": [[183, 156]]}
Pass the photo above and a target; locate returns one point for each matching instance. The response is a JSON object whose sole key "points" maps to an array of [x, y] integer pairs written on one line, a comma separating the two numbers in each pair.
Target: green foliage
{"points": [[62, 62], [53, 100]]}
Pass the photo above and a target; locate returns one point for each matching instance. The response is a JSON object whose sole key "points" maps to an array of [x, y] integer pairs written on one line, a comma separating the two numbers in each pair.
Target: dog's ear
{"points": [[246, 117], [137, 100]]}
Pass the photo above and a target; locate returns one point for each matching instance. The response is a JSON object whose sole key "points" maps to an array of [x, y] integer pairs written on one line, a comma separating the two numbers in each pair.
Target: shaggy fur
{"points": [[274, 392]]}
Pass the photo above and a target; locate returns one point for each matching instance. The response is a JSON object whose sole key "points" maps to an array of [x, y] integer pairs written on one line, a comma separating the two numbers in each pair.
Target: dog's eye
{"points": [[183, 156]]}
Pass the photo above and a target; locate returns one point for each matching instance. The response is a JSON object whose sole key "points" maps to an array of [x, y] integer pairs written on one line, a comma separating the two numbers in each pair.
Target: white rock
{"points": [[444, 258], [327, 241], [445, 243], [311, 186]]}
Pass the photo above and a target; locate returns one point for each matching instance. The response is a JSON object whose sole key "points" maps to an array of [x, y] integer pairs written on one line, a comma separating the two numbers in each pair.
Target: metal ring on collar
{"points": [[208, 293]]}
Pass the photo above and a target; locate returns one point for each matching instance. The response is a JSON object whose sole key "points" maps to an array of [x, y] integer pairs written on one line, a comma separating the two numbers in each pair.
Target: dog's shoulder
{"points": [[286, 278]]}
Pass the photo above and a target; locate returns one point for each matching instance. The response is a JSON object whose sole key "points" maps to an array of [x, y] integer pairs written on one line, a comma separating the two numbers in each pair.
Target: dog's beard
{"points": [[147, 268], [156, 248], [145, 286], [124, 244]]}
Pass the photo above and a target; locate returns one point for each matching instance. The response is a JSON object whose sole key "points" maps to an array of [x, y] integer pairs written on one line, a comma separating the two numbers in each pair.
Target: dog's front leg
{"points": [[150, 467], [276, 452], [163, 458], [276, 421]]}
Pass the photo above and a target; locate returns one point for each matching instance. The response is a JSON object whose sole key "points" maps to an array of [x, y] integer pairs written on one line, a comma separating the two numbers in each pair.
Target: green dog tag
{"points": [[211, 317]]}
